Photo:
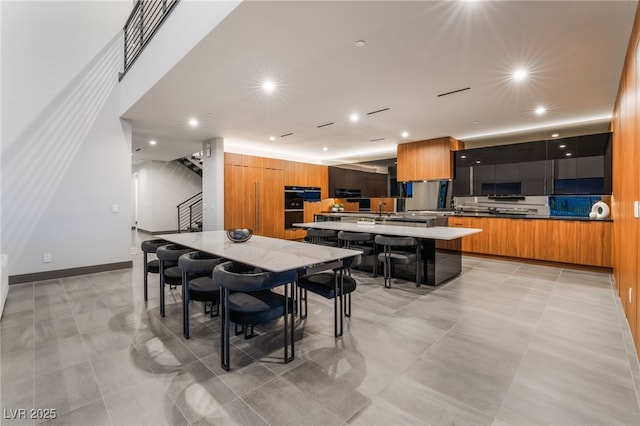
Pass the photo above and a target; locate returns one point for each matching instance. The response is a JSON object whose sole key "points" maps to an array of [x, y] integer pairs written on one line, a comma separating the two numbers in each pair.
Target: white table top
{"points": [[271, 254], [433, 233]]}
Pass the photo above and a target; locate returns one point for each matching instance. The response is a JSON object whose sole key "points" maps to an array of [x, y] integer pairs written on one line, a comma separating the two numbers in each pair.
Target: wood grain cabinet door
{"points": [[240, 196], [270, 203]]}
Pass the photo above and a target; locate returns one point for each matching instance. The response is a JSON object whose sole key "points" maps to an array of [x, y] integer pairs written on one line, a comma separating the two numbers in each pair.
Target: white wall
{"points": [[190, 22], [161, 187], [66, 156]]}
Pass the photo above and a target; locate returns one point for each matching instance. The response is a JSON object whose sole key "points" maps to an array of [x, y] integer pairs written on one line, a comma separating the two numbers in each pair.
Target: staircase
{"points": [[191, 165], [190, 214]]}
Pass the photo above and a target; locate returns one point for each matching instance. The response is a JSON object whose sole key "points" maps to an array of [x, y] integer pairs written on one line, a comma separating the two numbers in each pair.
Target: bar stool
{"points": [[169, 275], [331, 285], [325, 237], [252, 302], [197, 284], [357, 241], [392, 255], [153, 266]]}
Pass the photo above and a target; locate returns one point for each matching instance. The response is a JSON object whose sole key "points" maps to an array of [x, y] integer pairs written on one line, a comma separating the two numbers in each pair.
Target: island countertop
{"points": [[433, 233]]}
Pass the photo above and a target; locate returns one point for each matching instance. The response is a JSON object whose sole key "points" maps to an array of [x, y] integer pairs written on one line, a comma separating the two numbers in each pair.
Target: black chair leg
{"points": [[162, 289], [146, 272], [185, 305], [303, 299], [224, 330], [338, 286], [289, 323]]}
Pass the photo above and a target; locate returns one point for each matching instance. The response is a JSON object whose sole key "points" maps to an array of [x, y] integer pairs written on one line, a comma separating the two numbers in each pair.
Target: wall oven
{"points": [[294, 198]]}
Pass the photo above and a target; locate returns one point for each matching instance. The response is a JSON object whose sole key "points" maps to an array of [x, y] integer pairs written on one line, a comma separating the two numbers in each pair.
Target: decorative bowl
{"points": [[239, 235]]}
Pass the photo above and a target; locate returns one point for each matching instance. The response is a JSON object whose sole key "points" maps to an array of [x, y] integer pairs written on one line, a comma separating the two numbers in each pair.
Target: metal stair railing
{"points": [[190, 214], [145, 19]]}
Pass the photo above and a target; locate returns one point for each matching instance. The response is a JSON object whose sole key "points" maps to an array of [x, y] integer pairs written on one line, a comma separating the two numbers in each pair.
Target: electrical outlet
{"points": [[630, 293], [46, 258]]}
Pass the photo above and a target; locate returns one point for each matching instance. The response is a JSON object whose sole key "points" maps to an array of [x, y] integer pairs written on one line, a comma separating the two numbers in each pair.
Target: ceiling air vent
{"points": [[377, 140], [453, 91], [325, 125], [285, 135], [380, 110]]}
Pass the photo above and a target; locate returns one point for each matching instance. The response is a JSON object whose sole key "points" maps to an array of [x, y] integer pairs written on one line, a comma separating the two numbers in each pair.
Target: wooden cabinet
{"points": [[254, 194], [565, 241], [304, 174], [427, 160]]}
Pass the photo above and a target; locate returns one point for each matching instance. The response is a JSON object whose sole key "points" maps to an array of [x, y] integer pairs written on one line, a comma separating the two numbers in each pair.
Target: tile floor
{"points": [[504, 343]]}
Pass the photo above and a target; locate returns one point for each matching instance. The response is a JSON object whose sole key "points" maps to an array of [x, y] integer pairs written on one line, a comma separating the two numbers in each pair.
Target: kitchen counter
{"points": [[406, 219], [441, 245], [524, 216]]}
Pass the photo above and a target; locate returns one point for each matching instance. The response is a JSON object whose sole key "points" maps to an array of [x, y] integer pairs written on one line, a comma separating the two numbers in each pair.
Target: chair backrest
{"points": [[354, 236], [198, 263], [171, 252], [150, 246], [238, 277], [385, 240], [317, 235]]}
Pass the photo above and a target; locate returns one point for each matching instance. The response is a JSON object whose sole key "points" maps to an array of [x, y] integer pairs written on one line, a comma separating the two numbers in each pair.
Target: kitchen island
{"points": [[441, 245]]}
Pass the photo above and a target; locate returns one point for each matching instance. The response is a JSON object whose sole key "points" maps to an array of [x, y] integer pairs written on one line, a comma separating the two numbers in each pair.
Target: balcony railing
{"points": [[144, 21]]}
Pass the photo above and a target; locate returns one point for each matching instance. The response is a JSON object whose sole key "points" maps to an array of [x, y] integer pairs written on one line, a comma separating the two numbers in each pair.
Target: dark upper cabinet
{"points": [[577, 165], [461, 181], [369, 184]]}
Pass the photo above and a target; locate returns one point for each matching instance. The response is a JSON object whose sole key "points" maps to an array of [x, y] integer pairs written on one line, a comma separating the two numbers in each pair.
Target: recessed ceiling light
{"points": [[476, 122], [325, 148], [405, 134], [463, 156], [520, 74], [354, 117], [360, 43], [152, 142], [272, 138], [563, 146], [555, 135], [193, 122], [568, 154], [478, 162], [268, 86], [540, 110]]}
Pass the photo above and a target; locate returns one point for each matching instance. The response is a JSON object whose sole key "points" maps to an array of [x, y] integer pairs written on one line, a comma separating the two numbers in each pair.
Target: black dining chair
{"points": [[247, 300], [170, 275], [325, 237], [331, 285], [197, 284], [394, 251], [150, 266], [361, 241]]}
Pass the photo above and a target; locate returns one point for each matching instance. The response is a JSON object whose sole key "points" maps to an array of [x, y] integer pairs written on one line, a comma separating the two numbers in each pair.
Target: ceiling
{"points": [[414, 51]]}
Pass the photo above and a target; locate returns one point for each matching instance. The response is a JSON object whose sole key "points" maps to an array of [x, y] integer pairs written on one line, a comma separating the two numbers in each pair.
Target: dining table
{"points": [[273, 255], [441, 247], [267, 253]]}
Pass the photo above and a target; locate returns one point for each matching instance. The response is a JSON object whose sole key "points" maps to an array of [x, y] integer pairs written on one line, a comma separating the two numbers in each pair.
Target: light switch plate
{"points": [[114, 208], [636, 209]]}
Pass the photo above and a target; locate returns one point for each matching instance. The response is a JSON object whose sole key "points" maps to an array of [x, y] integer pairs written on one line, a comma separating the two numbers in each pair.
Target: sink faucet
{"points": [[380, 204]]}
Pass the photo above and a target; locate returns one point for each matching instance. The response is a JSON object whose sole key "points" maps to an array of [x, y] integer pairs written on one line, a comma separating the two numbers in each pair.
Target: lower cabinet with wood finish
{"points": [[579, 242]]}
